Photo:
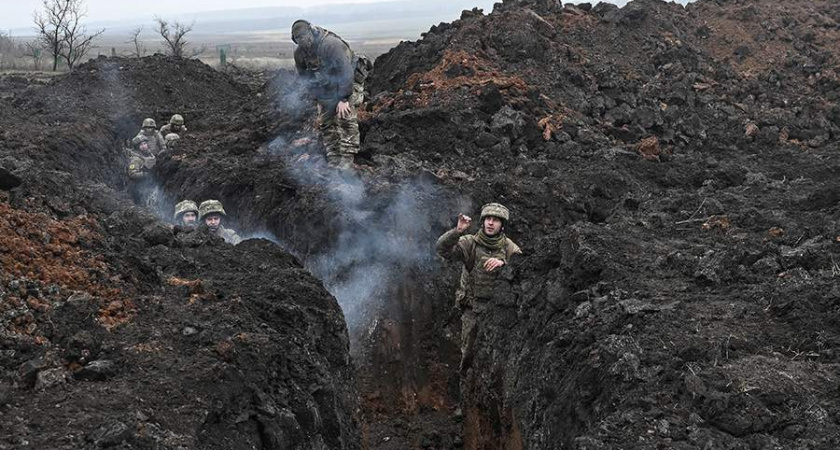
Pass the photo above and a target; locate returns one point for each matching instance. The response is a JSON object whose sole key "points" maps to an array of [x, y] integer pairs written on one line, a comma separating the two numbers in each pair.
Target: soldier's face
{"points": [[304, 38], [213, 222], [189, 218], [492, 225], [148, 131], [144, 146]]}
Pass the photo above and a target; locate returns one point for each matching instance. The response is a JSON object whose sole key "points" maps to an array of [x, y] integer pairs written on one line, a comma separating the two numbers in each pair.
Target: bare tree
{"points": [[139, 48], [174, 35], [49, 24], [61, 33], [198, 51], [76, 37]]}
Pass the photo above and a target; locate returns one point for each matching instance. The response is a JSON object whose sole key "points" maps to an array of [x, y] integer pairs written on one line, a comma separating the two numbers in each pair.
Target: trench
{"points": [[371, 243]]}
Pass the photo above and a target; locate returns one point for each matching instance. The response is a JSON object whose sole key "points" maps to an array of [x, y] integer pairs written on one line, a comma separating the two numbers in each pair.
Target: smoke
{"points": [[385, 230]]}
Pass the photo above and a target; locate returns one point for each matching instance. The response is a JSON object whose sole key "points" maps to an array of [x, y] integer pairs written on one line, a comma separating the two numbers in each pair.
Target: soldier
{"points": [[149, 131], [211, 213], [171, 140], [335, 76], [186, 214], [141, 161], [482, 254], [175, 125]]}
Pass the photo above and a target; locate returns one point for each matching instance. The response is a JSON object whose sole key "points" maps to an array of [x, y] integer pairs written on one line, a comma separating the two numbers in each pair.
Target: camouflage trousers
{"points": [[341, 136]]}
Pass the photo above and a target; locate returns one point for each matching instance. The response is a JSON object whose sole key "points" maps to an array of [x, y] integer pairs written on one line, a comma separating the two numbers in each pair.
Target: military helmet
{"points": [[495, 210], [177, 119], [149, 122], [299, 26], [185, 206], [171, 138], [209, 207]]}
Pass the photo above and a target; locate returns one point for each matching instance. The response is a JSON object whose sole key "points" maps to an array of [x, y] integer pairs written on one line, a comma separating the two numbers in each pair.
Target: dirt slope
{"points": [[673, 185]]}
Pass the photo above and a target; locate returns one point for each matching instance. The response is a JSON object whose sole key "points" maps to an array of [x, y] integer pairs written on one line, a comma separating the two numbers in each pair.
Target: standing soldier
{"points": [[175, 125], [211, 213], [186, 214], [149, 131], [482, 255], [335, 76]]}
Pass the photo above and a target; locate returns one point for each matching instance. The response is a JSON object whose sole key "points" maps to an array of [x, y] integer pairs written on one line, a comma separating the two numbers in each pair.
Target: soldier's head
{"points": [[186, 213], [494, 217], [302, 33], [211, 212], [176, 122], [149, 126], [171, 140], [143, 145]]}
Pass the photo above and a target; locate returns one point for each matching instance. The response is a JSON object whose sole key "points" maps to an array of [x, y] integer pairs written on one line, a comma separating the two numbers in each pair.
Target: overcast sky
{"points": [[18, 13]]}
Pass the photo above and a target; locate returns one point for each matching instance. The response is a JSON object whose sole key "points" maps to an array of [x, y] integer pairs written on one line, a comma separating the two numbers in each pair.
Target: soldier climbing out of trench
{"points": [[186, 214], [483, 254], [211, 213], [335, 77], [175, 125], [152, 135]]}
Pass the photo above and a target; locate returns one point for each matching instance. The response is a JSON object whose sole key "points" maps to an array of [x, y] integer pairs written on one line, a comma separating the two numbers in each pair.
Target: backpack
{"points": [[363, 68]]}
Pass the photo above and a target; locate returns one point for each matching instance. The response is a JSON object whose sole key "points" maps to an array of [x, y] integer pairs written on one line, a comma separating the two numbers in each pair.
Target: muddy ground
{"points": [[672, 175]]}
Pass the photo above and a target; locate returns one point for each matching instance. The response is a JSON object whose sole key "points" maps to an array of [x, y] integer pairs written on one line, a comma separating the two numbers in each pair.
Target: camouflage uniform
{"points": [[330, 67], [175, 125], [141, 181], [155, 139], [476, 284], [209, 207]]}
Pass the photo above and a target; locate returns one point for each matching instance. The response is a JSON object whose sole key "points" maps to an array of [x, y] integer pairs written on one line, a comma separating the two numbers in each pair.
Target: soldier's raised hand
{"points": [[463, 223]]}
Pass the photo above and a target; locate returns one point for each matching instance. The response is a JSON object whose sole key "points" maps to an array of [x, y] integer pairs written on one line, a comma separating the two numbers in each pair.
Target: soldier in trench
{"points": [[152, 135], [335, 77], [175, 125], [186, 214], [141, 161], [483, 254], [212, 213]]}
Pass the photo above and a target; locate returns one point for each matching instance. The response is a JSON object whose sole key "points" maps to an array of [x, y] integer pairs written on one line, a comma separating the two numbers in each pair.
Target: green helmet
{"points": [[183, 207], [177, 119], [495, 210], [149, 122], [170, 139], [209, 207]]}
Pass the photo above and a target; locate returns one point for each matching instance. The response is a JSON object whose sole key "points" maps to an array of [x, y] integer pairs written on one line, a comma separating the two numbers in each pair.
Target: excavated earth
{"points": [[672, 174]]}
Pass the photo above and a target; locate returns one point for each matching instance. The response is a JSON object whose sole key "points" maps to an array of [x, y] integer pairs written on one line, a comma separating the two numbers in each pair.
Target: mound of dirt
{"points": [[671, 173], [119, 330], [672, 193]]}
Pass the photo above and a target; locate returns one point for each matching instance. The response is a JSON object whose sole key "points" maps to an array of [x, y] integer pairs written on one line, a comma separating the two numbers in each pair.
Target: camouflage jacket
{"points": [[166, 129], [330, 66], [139, 165], [475, 281], [156, 142]]}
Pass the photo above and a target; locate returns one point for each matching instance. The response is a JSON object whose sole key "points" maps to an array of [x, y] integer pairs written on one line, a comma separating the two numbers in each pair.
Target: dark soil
{"points": [[672, 175]]}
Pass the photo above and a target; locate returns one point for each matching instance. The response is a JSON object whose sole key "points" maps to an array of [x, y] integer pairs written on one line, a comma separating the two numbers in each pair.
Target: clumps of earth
{"points": [[672, 177]]}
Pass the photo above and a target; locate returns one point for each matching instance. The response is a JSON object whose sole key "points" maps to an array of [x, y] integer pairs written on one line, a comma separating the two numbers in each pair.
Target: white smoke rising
{"points": [[384, 233]]}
